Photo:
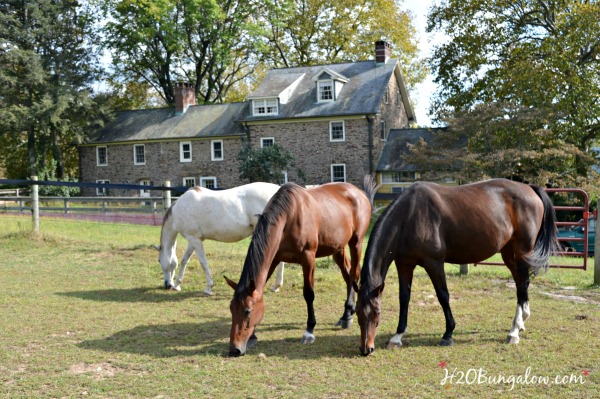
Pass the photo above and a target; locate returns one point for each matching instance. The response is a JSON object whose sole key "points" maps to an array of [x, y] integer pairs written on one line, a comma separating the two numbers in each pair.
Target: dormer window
{"points": [[264, 107], [325, 90]]}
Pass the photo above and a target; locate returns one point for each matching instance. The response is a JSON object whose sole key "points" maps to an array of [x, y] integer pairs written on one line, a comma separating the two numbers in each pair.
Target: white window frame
{"points": [[144, 192], [187, 179], [383, 132], [263, 139], [182, 152], [265, 107], [397, 177], [284, 174], [143, 147], [98, 155], [204, 179], [102, 191], [331, 131], [320, 90], [333, 165], [213, 156]]}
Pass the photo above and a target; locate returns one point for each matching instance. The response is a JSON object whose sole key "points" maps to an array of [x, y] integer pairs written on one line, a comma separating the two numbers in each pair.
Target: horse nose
{"points": [[367, 351], [235, 352]]}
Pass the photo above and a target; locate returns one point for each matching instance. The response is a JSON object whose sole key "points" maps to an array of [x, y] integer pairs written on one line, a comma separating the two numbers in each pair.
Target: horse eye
{"points": [[247, 312]]}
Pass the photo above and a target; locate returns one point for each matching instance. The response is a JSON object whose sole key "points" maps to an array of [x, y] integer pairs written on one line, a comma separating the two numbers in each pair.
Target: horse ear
{"points": [[231, 283], [377, 291]]}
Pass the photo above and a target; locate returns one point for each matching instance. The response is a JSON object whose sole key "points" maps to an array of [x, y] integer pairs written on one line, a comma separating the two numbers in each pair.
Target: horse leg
{"points": [[308, 269], [201, 255], [278, 278], [341, 260], [520, 272], [189, 251], [435, 270], [405, 277]]}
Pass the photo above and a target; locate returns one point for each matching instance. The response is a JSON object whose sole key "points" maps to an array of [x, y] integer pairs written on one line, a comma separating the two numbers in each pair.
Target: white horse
{"points": [[203, 214]]}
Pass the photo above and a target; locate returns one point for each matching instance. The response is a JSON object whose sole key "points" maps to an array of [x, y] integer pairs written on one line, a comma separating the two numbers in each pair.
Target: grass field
{"points": [[83, 315]]}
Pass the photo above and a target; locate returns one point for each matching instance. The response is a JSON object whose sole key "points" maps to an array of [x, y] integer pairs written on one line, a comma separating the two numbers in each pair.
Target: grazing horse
{"points": [[203, 214], [297, 226], [431, 224]]}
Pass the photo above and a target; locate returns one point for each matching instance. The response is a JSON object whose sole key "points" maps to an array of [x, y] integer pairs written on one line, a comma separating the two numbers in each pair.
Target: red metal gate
{"points": [[583, 221]]}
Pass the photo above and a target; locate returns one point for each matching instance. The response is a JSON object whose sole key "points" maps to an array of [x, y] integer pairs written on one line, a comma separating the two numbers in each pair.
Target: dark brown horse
{"points": [[431, 224], [297, 226]]}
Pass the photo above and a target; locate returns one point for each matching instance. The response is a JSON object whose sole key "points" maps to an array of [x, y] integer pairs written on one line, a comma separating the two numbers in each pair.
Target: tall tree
{"points": [[46, 68], [519, 68]]}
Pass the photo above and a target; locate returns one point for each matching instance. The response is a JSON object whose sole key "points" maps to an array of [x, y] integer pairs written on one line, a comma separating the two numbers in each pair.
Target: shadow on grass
{"points": [[141, 294], [211, 338]]}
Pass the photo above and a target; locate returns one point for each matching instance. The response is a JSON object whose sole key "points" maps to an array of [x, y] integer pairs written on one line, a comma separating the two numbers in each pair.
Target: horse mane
{"points": [[278, 207]]}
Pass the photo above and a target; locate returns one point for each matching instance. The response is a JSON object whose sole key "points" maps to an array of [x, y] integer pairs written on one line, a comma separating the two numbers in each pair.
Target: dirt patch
{"points": [[98, 370], [574, 298]]}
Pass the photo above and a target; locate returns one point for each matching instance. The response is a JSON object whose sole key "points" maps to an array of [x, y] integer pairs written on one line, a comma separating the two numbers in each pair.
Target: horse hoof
{"points": [[208, 292], [394, 345], [275, 288], [446, 342], [175, 288], [344, 323], [308, 338], [512, 340]]}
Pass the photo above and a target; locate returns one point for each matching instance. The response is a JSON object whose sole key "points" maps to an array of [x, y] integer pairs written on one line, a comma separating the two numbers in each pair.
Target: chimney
{"points": [[382, 52], [184, 97]]}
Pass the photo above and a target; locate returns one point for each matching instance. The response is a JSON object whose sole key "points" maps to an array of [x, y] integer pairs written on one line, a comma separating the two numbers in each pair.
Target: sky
{"points": [[423, 91]]}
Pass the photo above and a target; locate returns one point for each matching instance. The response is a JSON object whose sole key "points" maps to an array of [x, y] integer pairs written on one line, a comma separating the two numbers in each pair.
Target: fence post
{"points": [[596, 246], [167, 196], [464, 270], [35, 206]]}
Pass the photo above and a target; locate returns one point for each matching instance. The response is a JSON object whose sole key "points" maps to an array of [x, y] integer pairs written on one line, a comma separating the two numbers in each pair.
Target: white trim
{"points": [[203, 179], [265, 107], [382, 133], [144, 192], [143, 146], [192, 178], [266, 138], [334, 165], [331, 131], [102, 191], [212, 150], [105, 155], [320, 98], [182, 152]]}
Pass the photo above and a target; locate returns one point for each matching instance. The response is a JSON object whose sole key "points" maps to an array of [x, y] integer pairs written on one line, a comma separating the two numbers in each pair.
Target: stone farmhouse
{"points": [[334, 119]]}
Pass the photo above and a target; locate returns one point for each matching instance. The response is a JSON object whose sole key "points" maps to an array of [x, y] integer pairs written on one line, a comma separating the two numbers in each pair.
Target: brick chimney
{"points": [[184, 97], [382, 52]]}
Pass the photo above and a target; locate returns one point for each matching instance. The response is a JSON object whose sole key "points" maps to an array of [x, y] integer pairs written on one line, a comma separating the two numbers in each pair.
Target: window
{"points": [[387, 96], [189, 181], [397, 177], [208, 182], [216, 150], [185, 151], [338, 172], [265, 107], [337, 131], [398, 99], [383, 132], [283, 178], [144, 192], [101, 156], [139, 154], [266, 142], [102, 190], [325, 90]]}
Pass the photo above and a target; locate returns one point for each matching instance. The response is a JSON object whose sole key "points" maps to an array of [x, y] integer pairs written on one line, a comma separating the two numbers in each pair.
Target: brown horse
{"points": [[297, 226], [431, 224]]}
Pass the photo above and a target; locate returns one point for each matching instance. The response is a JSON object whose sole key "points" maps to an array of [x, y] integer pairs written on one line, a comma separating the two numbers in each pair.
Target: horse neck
{"points": [[379, 254], [168, 235]]}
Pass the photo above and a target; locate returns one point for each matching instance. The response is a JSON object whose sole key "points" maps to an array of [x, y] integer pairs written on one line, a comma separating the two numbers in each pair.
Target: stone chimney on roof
{"points": [[382, 52], [185, 96]]}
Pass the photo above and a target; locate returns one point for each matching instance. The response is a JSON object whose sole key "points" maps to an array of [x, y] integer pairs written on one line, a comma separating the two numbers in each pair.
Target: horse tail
{"points": [[546, 242], [370, 187]]}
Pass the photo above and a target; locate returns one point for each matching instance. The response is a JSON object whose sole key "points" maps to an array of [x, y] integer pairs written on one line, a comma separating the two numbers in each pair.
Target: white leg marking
{"points": [[513, 335], [308, 338], [278, 278], [526, 313], [395, 341]]}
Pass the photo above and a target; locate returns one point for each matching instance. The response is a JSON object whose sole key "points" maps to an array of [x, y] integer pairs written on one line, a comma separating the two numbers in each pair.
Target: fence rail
{"points": [[68, 204]]}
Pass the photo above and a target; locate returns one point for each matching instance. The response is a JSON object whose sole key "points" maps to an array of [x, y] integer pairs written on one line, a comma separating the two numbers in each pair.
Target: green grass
{"points": [[83, 314]]}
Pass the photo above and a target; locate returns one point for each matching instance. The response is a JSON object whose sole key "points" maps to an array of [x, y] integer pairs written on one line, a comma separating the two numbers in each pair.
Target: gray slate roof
{"points": [[397, 145], [361, 95], [199, 121]]}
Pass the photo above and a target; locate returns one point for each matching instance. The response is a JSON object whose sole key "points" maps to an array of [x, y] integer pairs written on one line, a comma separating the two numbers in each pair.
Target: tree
{"points": [[263, 164], [309, 32], [526, 75], [46, 69]]}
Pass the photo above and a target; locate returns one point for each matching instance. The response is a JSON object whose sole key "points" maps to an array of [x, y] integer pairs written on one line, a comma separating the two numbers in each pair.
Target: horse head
{"points": [[368, 311], [247, 310]]}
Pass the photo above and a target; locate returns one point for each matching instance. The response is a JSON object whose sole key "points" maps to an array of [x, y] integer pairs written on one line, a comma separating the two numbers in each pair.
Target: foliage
{"points": [[47, 67], [527, 71], [56, 191], [263, 164]]}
